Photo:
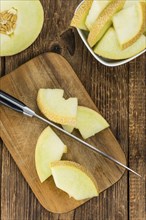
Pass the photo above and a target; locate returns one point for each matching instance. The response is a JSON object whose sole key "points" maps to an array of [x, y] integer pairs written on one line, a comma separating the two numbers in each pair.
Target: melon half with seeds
{"points": [[20, 25], [74, 179], [52, 104], [49, 148]]}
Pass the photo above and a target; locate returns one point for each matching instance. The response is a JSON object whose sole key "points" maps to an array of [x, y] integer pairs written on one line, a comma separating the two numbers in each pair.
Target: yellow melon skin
{"points": [[28, 26]]}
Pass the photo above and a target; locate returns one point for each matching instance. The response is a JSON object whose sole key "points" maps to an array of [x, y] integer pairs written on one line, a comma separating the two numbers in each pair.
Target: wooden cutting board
{"points": [[20, 133]]}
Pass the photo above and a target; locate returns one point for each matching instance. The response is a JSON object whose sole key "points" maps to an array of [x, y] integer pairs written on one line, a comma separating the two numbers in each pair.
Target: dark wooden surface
{"points": [[120, 95]]}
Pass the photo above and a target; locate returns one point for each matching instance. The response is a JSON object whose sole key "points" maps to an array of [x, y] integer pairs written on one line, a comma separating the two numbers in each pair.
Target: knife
{"points": [[19, 106]]}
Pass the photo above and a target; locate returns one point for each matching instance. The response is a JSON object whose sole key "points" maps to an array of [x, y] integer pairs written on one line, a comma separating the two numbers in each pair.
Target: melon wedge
{"points": [[74, 179], [49, 148], [95, 10], [89, 122], [80, 15], [129, 32], [104, 21], [20, 25], [113, 51], [52, 104]]}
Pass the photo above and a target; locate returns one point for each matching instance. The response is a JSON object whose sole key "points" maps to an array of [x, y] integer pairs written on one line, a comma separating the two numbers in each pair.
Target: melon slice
{"points": [[89, 122], [52, 104], [80, 15], [74, 179], [130, 3], [129, 32], [49, 148], [112, 50], [20, 25], [104, 21], [95, 10]]}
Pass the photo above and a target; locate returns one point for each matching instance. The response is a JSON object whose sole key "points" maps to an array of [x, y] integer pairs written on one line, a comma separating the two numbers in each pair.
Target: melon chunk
{"points": [[49, 148], [113, 50], [80, 15], [20, 25], [104, 21], [74, 179], [89, 122], [95, 10], [52, 104], [129, 32]]}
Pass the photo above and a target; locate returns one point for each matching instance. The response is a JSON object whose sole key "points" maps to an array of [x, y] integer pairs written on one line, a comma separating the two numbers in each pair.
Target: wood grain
{"points": [[105, 86], [52, 71], [137, 139]]}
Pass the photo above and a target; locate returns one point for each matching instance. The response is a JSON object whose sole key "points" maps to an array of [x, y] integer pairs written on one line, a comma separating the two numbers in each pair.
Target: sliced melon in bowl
{"points": [[129, 32], [49, 148], [89, 122], [95, 10], [52, 104], [113, 51], [20, 25], [80, 15], [104, 21], [74, 179]]}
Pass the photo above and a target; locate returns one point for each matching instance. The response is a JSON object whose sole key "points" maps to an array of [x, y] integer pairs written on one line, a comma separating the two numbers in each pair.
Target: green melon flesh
{"points": [[30, 17], [112, 50], [74, 179], [89, 122], [95, 10], [129, 32], [104, 21], [49, 148]]}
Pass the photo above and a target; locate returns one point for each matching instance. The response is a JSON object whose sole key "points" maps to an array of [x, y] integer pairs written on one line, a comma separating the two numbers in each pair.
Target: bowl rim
{"points": [[111, 63]]}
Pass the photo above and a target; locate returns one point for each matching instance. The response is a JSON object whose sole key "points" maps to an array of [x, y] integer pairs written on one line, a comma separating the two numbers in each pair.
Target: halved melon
{"points": [[95, 10], [129, 32], [104, 21], [20, 25], [74, 179], [89, 122], [52, 104], [80, 15], [113, 51], [49, 148]]}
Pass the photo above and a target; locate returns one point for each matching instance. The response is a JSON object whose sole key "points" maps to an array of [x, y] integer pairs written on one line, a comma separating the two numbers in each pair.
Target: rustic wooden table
{"points": [[120, 95]]}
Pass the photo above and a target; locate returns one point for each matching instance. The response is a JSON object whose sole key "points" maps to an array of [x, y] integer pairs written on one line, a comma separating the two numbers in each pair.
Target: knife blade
{"points": [[19, 106]]}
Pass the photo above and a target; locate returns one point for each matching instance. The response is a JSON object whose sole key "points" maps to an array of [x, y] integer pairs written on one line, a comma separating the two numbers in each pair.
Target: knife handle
{"points": [[15, 104], [11, 102]]}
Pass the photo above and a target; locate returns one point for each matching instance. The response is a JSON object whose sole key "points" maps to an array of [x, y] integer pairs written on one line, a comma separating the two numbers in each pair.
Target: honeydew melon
{"points": [[129, 32], [104, 21], [49, 148], [95, 10], [89, 122], [74, 179], [52, 104], [20, 24], [80, 15], [113, 51]]}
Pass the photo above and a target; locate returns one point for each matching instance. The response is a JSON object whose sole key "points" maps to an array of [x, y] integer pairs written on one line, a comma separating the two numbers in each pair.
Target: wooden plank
{"points": [[137, 138]]}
